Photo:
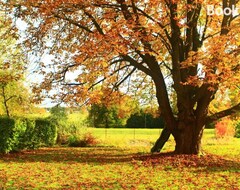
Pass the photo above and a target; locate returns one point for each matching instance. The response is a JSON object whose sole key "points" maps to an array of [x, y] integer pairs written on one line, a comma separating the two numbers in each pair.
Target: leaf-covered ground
{"points": [[116, 168]]}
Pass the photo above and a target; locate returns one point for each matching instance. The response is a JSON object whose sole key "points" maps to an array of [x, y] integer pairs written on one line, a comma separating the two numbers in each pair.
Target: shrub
{"points": [[35, 133], [224, 128], [65, 130], [89, 139], [74, 141], [62, 139], [7, 135], [27, 137], [237, 127], [17, 134], [86, 140], [45, 132], [22, 133]]}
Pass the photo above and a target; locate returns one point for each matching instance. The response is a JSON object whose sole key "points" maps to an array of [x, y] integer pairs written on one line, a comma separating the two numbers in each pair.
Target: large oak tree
{"points": [[170, 43]]}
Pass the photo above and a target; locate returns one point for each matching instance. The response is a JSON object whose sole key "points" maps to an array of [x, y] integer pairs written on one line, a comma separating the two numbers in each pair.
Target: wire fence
{"points": [[133, 133]]}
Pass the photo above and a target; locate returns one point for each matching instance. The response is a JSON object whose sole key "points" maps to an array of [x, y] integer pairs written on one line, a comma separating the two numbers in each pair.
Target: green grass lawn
{"points": [[145, 138], [122, 161]]}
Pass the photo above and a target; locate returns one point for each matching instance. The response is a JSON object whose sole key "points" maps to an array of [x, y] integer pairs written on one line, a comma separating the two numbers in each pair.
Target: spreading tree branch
{"points": [[224, 113]]}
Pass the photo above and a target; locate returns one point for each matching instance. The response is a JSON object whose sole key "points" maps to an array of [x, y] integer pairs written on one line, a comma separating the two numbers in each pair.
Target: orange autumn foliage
{"points": [[225, 128]]}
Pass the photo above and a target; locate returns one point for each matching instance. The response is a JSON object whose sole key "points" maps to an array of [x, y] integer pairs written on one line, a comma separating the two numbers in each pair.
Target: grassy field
{"points": [[143, 139], [122, 161]]}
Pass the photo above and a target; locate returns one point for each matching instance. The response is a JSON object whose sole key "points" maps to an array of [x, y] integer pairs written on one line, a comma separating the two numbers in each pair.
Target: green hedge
{"points": [[237, 134], [22, 133], [7, 135], [46, 132], [27, 138]]}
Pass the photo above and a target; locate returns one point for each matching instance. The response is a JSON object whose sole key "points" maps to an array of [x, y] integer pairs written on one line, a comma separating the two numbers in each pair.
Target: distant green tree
{"points": [[101, 116], [144, 120], [59, 113]]}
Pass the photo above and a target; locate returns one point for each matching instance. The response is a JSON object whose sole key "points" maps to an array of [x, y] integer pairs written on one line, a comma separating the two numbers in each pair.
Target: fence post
{"points": [[134, 133], [105, 133]]}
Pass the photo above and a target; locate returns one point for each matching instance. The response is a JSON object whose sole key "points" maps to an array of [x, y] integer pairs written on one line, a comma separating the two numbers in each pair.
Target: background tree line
{"points": [[101, 116]]}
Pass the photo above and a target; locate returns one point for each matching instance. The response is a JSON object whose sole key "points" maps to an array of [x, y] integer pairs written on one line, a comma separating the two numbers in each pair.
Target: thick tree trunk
{"points": [[187, 138]]}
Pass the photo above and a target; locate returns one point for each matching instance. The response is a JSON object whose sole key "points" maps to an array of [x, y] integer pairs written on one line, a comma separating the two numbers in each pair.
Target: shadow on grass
{"points": [[65, 154], [108, 155]]}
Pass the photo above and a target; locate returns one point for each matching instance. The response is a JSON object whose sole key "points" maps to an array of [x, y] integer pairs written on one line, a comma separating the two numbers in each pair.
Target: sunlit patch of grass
{"points": [[78, 117], [225, 147], [142, 139], [126, 137]]}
